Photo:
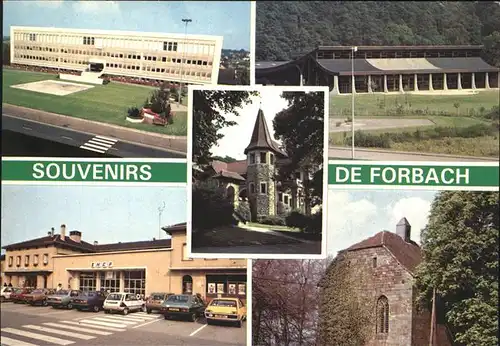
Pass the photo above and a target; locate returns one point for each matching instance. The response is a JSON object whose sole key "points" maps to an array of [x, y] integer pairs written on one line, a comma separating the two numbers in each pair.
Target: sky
{"points": [[356, 215], [230, 19], [236, 138], [108, 214]]}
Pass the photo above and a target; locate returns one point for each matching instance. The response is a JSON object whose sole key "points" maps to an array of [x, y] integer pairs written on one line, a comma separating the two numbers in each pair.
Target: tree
{"points": [[160, 100], [6, 53], [285, 301], [227, 159], [300, 128], [460, 261], [209, 107], [343, 319]]}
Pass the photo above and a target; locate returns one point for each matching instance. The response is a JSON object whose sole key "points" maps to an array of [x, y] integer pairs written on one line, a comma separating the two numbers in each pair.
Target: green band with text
{"points": [[412, 175], [93, 171]]}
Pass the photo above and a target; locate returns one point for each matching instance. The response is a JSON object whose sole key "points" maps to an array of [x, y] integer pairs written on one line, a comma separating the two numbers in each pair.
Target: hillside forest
{"points": [[288, 29]]}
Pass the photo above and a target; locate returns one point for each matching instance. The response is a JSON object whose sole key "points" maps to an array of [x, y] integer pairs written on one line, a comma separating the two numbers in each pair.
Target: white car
{"points": [[6, 291], [124, 303]]}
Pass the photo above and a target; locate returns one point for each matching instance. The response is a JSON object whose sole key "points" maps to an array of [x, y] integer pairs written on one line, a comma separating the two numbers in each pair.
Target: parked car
{"points": [[38, 296], [6, 292], [93, 300], [17, 297], [124, 303], [183, 306], [226, 309], [156, 300], [63, 299]]}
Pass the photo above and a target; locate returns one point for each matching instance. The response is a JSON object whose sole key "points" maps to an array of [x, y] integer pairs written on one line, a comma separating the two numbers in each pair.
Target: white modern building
{"points": [[177, 58]]}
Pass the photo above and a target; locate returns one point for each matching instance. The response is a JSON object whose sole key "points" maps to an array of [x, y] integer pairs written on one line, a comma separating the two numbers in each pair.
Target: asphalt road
{"points": [[89, 145], [312, 248], [23, 325], [344, 153]]}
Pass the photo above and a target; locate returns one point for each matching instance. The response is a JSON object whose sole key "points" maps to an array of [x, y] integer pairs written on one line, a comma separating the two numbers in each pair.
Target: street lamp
{"points": [[186, 21], [354, 50]]}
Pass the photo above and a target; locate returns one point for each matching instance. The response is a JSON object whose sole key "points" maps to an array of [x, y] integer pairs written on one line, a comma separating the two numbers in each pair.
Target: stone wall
{"points": [[390, 279], [262, 204]]}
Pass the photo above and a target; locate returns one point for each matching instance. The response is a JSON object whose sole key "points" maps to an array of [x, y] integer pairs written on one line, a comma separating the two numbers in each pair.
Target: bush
{"points": [[308, 224], [243, 210], [272, 220], [296, 220], [314, 223], [210, 207], [134, 112], [368, 140]]}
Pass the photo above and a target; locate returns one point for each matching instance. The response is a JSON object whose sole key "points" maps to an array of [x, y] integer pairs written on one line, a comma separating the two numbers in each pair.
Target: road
{"points": [[298, 249], [344, 153], [89, 144], [23, 325]]}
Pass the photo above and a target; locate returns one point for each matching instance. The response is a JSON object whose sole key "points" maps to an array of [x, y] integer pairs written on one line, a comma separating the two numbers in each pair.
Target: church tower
{"points": [[262, 152]]}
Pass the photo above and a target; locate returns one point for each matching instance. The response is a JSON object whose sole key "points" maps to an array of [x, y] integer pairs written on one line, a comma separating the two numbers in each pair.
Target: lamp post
{"points": [[186, 21], [160, 211], [354, 50]]}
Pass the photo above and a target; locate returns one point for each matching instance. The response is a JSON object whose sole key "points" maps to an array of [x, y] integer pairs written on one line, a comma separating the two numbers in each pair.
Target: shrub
{"points": [[368, 140], [210, 207], [243, 210], [296, 220], [314, 223], [134, 112], [272, 220]]}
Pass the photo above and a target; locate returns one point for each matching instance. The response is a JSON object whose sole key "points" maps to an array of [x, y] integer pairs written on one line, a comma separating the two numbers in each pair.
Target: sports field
{"points": [[419, 123], [104, 103], [411, 104]]}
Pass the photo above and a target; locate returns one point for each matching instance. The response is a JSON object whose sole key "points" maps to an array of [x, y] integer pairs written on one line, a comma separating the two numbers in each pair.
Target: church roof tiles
{"points": [[407, 253]]}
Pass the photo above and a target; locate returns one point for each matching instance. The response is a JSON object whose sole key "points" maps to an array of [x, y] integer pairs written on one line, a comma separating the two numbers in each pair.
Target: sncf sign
{"points": [[102, 264]]}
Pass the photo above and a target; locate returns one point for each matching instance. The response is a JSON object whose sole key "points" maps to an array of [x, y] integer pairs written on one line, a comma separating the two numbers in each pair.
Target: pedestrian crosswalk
{"points": [[67, 332], [99, 144]]}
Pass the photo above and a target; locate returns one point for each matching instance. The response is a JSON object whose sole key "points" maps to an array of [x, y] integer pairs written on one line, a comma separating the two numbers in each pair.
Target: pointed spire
{"points": [[261, 137]]}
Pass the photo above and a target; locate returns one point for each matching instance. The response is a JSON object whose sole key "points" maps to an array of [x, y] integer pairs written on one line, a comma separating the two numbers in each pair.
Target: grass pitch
{"points": [[103, 103]]}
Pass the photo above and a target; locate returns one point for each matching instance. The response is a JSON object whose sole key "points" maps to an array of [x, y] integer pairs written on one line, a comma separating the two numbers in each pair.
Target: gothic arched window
{"points": [[382, 323]]}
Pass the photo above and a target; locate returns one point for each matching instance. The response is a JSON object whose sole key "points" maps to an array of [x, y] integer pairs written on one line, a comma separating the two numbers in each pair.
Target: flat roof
{"points": [[138, 34], [423, 47], [417, 65], [380, 66]]}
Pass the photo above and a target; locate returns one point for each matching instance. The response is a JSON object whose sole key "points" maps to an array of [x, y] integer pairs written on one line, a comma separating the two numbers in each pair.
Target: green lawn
{"points": [[384, 105], [337, 138], [104, 103], [442, 110]]}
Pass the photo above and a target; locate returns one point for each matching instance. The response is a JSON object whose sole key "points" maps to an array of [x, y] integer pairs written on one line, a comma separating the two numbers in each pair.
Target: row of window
{"points": [[160, 70], [134, 282], [131, 42], [262, 190], [27, 260], [263, 158], [165, 59], [389, 55]]}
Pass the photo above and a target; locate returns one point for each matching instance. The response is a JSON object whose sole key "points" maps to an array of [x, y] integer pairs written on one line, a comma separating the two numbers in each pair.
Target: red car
{"points": [[18, 296]]}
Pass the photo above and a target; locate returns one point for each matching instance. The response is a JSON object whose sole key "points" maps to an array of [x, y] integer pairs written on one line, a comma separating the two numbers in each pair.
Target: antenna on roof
{"points": [[160, 211]]}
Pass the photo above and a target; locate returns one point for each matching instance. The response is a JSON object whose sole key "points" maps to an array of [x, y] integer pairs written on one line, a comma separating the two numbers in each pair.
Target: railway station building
{"points": [[142, 267]]}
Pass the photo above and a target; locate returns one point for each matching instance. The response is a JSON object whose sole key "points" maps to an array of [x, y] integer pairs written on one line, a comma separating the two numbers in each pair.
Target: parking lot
{"points": [[23, 325]]}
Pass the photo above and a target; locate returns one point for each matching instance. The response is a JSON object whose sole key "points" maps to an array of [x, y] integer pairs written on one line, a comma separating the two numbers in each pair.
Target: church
{"points": [[255, 182], [381, 272]]}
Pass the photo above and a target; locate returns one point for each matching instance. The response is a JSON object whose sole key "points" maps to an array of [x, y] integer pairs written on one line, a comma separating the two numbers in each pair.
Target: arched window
{"points": [[230, 193], [382, 324], [187, 284]]}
